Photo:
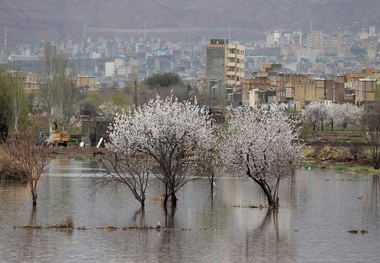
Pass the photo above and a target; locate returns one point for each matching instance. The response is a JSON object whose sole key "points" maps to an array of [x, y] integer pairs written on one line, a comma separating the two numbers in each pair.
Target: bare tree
{"points": [[5, 108], [68, 97], [211, 163], [57, 96], [30, 160], [18, 100], [371, 127], [130, 170]]}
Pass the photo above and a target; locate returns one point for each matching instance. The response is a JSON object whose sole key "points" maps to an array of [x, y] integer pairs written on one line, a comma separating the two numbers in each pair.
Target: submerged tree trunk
{"points": [[33, 189], [173, 200], [272, 197], [166, 198], [34, 197], [376, 161]]}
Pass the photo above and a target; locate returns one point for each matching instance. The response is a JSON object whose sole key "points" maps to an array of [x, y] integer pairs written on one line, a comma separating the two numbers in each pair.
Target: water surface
{"points": [[318, 209]]}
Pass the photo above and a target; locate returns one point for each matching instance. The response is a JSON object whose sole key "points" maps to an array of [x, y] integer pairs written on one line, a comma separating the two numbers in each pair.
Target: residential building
{"points": [[224, 69], [85, 82], [110, 50], [109, 69], [366, 91], [31, 82], [315, 40]]}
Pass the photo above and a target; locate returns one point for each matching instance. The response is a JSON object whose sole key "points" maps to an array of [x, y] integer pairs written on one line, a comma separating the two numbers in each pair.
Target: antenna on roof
{"points": [[84, 32], [144, 30], [229, 30]]}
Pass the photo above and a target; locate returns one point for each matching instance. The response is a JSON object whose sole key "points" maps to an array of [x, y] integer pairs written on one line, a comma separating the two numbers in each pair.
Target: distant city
{"points": [[102, 62]]}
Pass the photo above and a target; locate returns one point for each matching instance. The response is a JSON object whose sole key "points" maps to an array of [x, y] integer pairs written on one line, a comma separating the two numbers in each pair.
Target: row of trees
{"points": [[56, 98], [174, 141], [317, 114]]}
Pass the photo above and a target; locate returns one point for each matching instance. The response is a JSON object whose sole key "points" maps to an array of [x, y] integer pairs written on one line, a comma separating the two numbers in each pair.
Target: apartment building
{"points": [[366, 91], [109, 69], [298, 90], [315, 40], [85, 82], [31, 82], [330, 44], [224, 68]]}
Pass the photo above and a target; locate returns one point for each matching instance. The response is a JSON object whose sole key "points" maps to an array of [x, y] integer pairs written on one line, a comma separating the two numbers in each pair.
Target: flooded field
{"points": [[318, 211]]}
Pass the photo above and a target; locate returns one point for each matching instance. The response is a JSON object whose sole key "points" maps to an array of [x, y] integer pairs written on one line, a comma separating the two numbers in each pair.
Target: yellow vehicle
{"points": [[57, 138]]}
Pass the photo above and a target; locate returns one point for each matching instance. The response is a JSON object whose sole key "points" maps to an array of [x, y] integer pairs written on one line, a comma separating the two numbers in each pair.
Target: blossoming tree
{"points": [[173, 135], [264, 145], [344, 114], [315, 113]]}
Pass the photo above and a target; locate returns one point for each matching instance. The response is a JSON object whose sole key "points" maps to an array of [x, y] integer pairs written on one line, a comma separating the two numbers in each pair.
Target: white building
{"points": [[109, 69], [119, 62], [253, 98]]}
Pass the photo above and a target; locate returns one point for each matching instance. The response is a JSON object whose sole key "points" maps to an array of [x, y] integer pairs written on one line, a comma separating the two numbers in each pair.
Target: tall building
{"points": [[224, 69], [315, 40], [110, 49], [109, 69]]}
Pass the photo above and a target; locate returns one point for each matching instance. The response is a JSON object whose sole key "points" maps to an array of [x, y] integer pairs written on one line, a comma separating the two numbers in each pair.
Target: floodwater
{"points": [[318, 209]]}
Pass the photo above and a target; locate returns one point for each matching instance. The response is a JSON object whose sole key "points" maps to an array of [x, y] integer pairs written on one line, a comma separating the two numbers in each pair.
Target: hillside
{"points": [[64, 19]]}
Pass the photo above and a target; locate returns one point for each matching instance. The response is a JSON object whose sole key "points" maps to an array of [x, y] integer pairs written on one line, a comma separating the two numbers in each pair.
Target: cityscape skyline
{"points": [[246, 20]]}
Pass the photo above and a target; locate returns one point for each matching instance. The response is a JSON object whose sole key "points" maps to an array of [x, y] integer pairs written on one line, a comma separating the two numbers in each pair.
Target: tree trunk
{"points": [[166, 198], [212, 182], [34, 199], [376, 161], [272, 198], [173, 200], [33, 190], [268, 193], [166, 195]]}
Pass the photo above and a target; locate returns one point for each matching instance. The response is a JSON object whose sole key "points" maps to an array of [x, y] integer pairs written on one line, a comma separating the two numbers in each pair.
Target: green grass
{"points": [[340, 168]]}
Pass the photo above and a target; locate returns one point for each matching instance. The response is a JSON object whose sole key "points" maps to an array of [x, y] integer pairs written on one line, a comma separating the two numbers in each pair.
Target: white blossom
{"points": [[315, 113], [264, 145], [172, 133], [344, 114]]}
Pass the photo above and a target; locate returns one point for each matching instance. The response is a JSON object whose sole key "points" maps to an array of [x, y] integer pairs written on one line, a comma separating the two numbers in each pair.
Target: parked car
{"points": [[41, 139]]}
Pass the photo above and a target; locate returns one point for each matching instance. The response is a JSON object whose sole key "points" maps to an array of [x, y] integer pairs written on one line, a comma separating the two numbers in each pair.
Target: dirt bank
{"points": [[77, 151]]}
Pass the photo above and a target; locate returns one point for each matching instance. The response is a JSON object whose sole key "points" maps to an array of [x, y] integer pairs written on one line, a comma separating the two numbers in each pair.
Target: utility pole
{"points": [[334, 90], [84, 33], [229, 30], [144, 30]]}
